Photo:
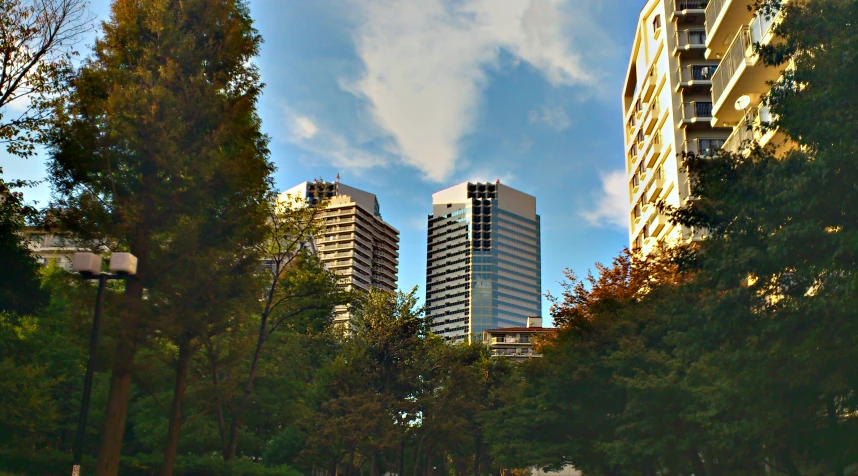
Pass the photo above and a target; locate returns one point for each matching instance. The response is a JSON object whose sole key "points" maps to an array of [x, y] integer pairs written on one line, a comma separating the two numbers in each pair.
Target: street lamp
{"points": [[88, 265]]}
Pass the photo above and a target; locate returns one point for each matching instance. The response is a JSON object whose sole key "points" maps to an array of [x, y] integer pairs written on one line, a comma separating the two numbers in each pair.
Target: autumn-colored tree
{"points": [[157, 150]]}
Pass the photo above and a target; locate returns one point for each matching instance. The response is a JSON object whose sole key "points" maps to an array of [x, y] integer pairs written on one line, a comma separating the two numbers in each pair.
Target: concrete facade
{"points": [[356, 243], [515, 343], [667, 110], [52, 247], [732, 30], [484, 260]]}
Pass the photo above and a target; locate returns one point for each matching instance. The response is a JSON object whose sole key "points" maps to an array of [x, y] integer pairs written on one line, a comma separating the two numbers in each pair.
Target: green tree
{"points": [[20, 287], [370, 386], [781, 256], [157, 149], [299, 293]]}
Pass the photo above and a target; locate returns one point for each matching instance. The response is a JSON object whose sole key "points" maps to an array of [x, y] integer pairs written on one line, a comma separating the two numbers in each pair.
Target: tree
{"points": [[297, 286], [157, 150], [780, 259], [20, 287], [371, 386], [37, 40]]}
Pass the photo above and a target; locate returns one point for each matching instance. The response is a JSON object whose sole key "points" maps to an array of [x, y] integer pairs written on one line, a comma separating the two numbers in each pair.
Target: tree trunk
{"points": [[213, 368], [248, 387], [417, 454], [175, 425], [477, 453], [696, 463], [113, 428], [400, 466], [834, 427], [785, 459], [373, 465], [351, 462]]}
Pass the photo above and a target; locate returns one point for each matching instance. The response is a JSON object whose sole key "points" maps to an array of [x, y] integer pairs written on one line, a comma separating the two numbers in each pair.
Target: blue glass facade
{"points": [[483, 262]]}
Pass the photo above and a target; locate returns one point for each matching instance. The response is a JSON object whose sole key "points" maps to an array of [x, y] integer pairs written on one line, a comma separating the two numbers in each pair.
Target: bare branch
{"points": [[37, 39]]}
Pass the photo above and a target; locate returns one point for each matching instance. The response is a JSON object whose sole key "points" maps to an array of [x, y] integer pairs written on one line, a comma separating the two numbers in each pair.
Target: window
{"points": [[656, 24]]}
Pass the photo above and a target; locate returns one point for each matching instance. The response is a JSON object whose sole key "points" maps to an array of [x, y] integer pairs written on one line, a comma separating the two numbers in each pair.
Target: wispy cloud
{"points": [[426, 65], [304, 127], [485, 174], [611, 203], [335, 148], [553, 117]]}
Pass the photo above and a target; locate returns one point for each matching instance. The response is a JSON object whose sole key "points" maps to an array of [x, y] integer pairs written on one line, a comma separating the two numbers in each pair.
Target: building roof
{"points": [[521, 329]]}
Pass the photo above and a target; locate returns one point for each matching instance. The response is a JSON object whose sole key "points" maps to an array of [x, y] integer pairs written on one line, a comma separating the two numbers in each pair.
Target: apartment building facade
{"points": [[667, 110], [741, 80], [516, 343], [356, 243], [484, 260], [51, 247]]}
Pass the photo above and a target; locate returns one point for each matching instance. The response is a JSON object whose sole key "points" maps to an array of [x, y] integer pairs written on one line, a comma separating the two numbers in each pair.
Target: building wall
{"points": [[356, 243], [483, 260], [50, 247], [732, 30], [666, 111]]}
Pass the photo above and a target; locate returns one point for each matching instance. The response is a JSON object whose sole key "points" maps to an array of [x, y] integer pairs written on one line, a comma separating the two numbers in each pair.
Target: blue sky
{"points": [[405, 98]]}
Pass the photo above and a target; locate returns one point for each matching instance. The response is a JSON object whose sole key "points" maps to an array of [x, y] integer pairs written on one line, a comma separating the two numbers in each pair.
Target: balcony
{"points": [[651, 118], [649, 84], [695, 76], [657, 186], [649, 244], [647, 212], [740, 139], [706, 147], [687, 8], [638, 109], [741, 72], [659, 222], [695, 113], [756, 128], [653, 150], [691, 42], [723, 18]]}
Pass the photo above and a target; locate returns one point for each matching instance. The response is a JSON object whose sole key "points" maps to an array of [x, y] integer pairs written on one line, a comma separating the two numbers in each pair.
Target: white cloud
{"points": [[322, 142], [611, 207], [554, 117], [426, 61], [485, 174], [305, 128]]}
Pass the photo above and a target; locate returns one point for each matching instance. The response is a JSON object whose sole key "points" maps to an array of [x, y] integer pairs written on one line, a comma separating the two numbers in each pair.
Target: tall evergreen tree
{"points": [[157, 150]]}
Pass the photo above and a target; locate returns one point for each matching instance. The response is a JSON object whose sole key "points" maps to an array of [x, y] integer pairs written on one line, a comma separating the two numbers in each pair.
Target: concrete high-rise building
{"points": [[667, 110], [742, 80], [356, 243], [484, 265]]}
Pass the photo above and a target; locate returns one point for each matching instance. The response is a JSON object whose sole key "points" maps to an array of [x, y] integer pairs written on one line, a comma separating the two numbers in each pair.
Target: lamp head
{"points": [[87, 264], [123, 263]]}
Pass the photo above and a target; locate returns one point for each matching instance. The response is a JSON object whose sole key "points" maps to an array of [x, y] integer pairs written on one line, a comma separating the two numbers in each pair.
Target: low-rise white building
{"points": [[516, 342]]}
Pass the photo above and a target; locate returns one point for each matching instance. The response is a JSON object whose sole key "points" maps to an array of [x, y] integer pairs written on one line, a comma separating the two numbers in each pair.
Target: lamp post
{"points": [[89, 267]]}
